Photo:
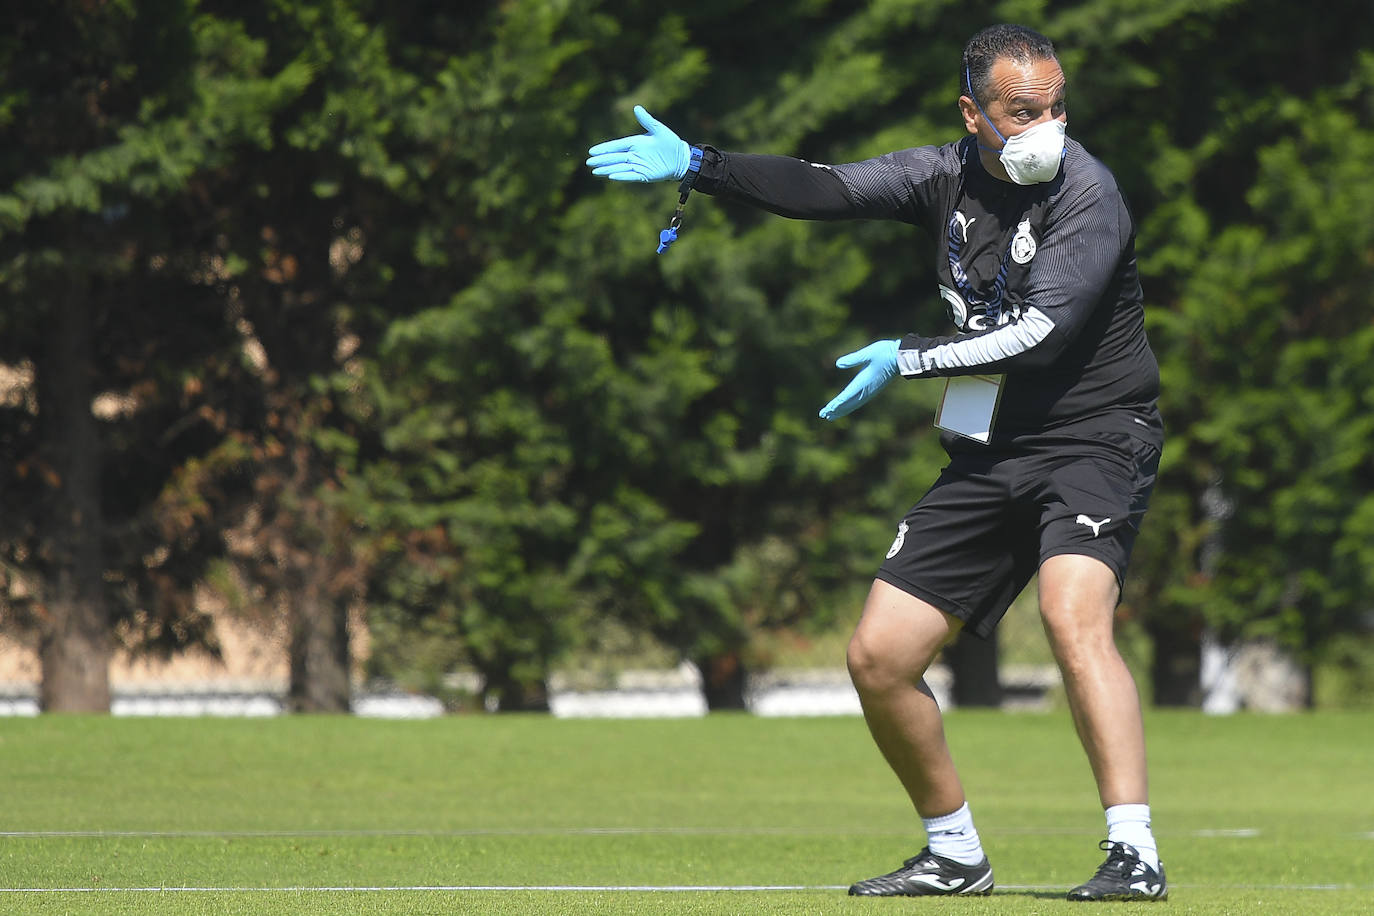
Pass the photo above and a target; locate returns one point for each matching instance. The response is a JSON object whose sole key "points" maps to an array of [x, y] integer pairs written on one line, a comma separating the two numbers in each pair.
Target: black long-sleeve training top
{"points": [[1040, 280]]}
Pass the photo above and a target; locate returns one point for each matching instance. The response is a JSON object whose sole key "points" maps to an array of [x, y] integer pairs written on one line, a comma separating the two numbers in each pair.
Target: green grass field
{"points": [[728, 814]]}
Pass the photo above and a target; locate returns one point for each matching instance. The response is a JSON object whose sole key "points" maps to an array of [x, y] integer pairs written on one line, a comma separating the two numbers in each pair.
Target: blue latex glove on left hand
{"points": [[656, 156], [879, 361]]}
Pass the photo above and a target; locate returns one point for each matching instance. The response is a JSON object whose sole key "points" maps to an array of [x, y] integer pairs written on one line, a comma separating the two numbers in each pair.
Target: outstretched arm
{"points": [[780, 184]]}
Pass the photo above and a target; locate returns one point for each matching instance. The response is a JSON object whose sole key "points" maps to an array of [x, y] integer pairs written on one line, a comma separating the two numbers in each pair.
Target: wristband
{"points": [[669, 235]]}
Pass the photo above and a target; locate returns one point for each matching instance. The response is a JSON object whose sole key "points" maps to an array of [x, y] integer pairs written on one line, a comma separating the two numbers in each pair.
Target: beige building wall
{"points": [[254, 657]]}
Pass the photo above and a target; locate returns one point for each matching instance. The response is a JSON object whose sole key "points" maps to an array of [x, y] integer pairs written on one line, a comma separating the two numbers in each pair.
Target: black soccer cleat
{"points": [[925, 875], [1123, 877]]}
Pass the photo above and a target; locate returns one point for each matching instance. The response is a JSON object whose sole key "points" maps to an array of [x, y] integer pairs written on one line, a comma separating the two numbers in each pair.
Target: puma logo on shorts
{"points": [[1095, 526]]}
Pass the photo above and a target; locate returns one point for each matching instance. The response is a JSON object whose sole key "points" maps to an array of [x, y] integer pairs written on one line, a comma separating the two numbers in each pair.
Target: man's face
{"points": [[1023, 95]]}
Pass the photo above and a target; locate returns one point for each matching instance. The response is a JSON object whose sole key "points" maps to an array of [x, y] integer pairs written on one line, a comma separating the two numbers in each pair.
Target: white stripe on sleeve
{"points": [[972, 352]]}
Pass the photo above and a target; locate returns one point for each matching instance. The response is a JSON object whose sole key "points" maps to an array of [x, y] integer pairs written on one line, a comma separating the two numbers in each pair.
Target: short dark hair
{"points": [[984, 49]]}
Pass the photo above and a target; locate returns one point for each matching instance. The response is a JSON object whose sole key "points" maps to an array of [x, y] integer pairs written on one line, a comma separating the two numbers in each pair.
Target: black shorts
{"points": [[979, 534]]}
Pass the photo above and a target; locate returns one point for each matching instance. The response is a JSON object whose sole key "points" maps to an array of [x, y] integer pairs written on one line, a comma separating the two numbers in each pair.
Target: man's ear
{"points": [[969, 110]]}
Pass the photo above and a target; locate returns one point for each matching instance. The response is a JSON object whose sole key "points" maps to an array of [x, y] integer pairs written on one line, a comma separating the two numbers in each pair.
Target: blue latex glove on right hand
{"points": [[656, 156], [879, 361]]}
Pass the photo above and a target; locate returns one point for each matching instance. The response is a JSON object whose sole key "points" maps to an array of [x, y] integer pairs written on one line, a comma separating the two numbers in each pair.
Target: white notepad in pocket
{"points": [[969, 406]]}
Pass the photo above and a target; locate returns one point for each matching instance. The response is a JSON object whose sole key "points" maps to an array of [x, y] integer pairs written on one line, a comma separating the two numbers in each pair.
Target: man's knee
{"points": [[1078, 597], [897, 638], [1080, 645], [872, 665]]}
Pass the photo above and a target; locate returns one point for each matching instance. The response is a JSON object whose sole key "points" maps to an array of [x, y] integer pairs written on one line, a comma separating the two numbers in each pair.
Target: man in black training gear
{"points": [[1036, 262]]}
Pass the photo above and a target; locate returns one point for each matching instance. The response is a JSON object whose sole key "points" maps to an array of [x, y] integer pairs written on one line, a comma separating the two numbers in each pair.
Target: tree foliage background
{"points": [[363, 331]]}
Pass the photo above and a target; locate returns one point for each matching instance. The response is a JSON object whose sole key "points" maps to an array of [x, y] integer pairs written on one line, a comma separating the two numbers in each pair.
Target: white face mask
{"points": [[1033, 155]]}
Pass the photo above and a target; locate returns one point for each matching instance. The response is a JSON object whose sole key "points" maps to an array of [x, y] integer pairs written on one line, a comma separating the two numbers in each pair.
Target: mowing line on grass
{"points": [[608, 888], [431, 834], [452, 888], [1222, 832]]}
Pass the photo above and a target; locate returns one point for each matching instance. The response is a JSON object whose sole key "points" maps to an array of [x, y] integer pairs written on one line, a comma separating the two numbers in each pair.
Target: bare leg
{"points": [[1077, 604], [897, 638]]}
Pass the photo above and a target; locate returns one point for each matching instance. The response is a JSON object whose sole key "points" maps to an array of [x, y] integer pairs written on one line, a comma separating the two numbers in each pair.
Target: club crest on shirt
{"points": [[1023, 243]]}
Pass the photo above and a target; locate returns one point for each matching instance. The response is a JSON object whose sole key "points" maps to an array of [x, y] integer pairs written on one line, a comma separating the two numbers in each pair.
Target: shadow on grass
{"points": [[1034, 893]]}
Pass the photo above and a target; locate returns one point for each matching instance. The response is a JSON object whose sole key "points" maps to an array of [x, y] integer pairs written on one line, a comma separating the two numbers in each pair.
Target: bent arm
{"points": [[1071, 276]]}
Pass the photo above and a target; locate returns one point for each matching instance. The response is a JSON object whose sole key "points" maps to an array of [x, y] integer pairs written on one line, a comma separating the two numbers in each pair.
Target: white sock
{"points": [[954, 837], [1131, 824]]}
